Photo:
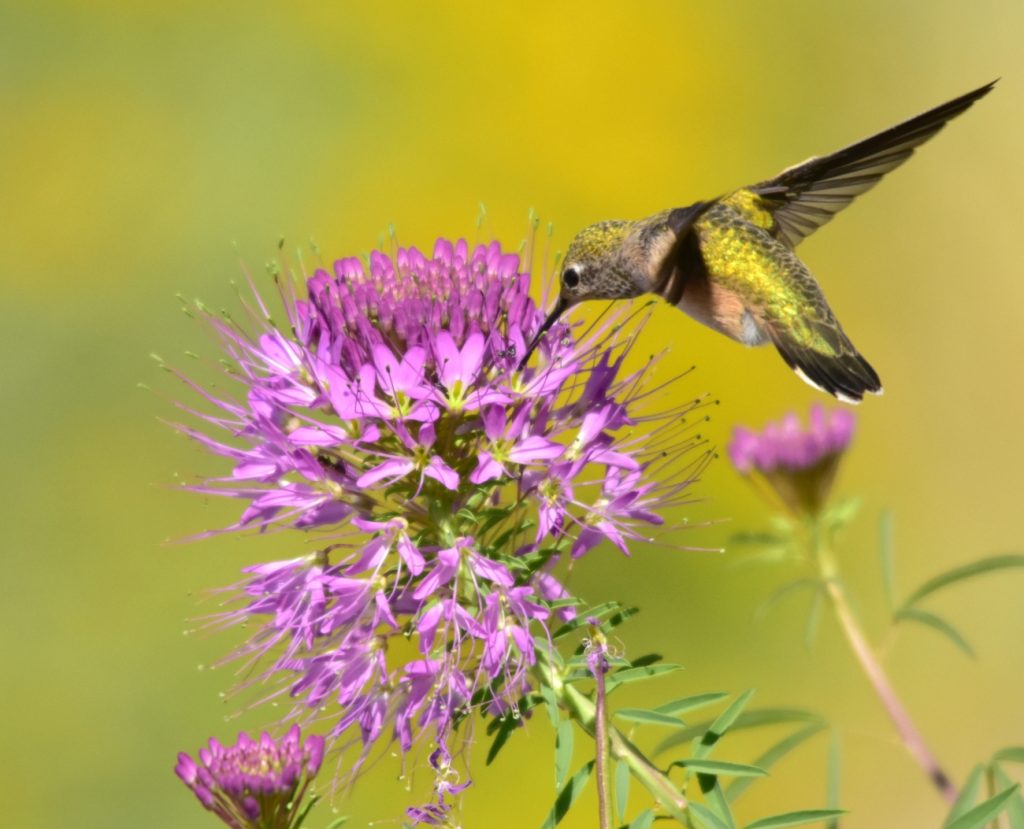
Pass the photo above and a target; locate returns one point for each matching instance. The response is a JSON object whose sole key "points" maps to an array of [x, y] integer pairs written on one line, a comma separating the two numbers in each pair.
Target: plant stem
{"points": [[601, 744], [583, 710], [869, 662]]}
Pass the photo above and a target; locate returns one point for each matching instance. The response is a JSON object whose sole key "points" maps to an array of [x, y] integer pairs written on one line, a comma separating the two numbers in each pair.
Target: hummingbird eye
{"points": [[571, 277]]}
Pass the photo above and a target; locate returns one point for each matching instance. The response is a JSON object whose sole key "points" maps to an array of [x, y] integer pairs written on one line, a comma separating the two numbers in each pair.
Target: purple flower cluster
{"points": [[443, 484], [800, 463], [254, 784]]}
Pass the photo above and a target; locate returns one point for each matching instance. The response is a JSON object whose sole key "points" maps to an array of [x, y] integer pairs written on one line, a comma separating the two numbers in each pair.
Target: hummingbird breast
{"points": [[720, 309]]}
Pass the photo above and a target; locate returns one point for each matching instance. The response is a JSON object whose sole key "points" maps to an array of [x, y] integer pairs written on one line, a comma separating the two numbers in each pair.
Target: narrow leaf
{"points": [[551, 703], [718, 803], [644, 820], [563, 751], [568, 796], [885, 545], [706, 818], [833, 776], [621, 790], [1015, 805], [985, 811], [936, 623], [1012, 754], [788, 589], [635, 674], [688, 703], [337, 823], [795, 818], [719, 767], [976, 568], [724, 721], [772, 756], [505, 729], [748, 719], [641, 715], [968, 795]]}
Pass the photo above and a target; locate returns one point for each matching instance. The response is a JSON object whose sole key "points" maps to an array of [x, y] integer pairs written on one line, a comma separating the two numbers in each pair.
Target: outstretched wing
{"points": [[804, 197]]}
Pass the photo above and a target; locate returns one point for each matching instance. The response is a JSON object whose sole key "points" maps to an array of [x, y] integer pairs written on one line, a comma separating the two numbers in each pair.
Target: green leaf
{"points": [[640, 715], [718, 803], [795, 818], [936, 623], [833, 777], [568, 796], [563, 751], [621, 790], [748, 719], [636, 674], [788, 589], [967, 571], [885, 544], [504, 731], [968, 794], [707, 818], [337, 823], [719, 767], [984, 812], [843, 513], [644, 820], [724, 721], [551, 703], [1011, 754], [1015, 805], [688, 703], [772, 756]]}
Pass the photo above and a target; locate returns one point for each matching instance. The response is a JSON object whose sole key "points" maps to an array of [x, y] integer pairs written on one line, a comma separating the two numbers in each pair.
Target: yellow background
{"points": [[139, 142]]}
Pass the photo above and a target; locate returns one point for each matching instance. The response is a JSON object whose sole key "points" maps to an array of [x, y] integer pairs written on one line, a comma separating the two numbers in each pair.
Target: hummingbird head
{"points": [[594, 268]]}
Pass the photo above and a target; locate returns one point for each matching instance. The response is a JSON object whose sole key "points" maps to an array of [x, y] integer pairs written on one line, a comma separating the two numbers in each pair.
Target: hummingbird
{"points": [[730, 262]]}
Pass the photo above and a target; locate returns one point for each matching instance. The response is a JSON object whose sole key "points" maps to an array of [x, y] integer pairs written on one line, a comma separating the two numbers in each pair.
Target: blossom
{"points": [[254, 784], [389, 420], [799, 463]]}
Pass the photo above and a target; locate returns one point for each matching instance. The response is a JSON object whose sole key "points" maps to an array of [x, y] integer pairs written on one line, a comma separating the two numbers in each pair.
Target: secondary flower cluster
{"points": [[443, 483], [254, 784], [799, 463]]}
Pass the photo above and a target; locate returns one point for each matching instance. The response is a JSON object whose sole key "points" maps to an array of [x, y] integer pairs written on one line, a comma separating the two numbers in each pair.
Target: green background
{"points": [[139, 142]]}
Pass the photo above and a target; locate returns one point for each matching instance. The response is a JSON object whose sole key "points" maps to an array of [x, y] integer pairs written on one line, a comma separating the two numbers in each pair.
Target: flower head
{"points": [[254, 784], [444, 484], [799, 463]]}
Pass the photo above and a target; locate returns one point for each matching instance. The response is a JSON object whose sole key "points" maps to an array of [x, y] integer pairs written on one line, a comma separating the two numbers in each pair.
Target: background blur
{"points": [[141, 142]]}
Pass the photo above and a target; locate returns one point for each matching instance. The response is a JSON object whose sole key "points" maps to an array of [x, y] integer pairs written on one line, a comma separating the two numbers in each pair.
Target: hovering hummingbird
{"points": [[730, 263]]}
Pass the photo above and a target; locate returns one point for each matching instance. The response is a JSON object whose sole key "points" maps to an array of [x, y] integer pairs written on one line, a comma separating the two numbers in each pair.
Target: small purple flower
{"points": [[254, 784], [800, 463], [443, 485]]}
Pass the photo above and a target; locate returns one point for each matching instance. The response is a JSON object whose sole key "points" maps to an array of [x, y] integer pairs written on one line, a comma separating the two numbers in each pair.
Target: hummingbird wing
{"points": [[804, 197], [792, 311]]}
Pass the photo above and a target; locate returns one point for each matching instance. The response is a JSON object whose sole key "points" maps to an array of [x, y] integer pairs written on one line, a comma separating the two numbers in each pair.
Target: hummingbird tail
{"points": [[845, 374]]}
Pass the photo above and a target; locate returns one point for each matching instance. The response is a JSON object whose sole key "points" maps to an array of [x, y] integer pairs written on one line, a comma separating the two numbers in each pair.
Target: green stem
{"points": [[582, 709], [601, 744], [872, 667]]}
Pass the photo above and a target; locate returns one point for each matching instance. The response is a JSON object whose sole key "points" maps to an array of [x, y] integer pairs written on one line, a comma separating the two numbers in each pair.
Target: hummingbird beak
{"points": [[560, 308]]}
